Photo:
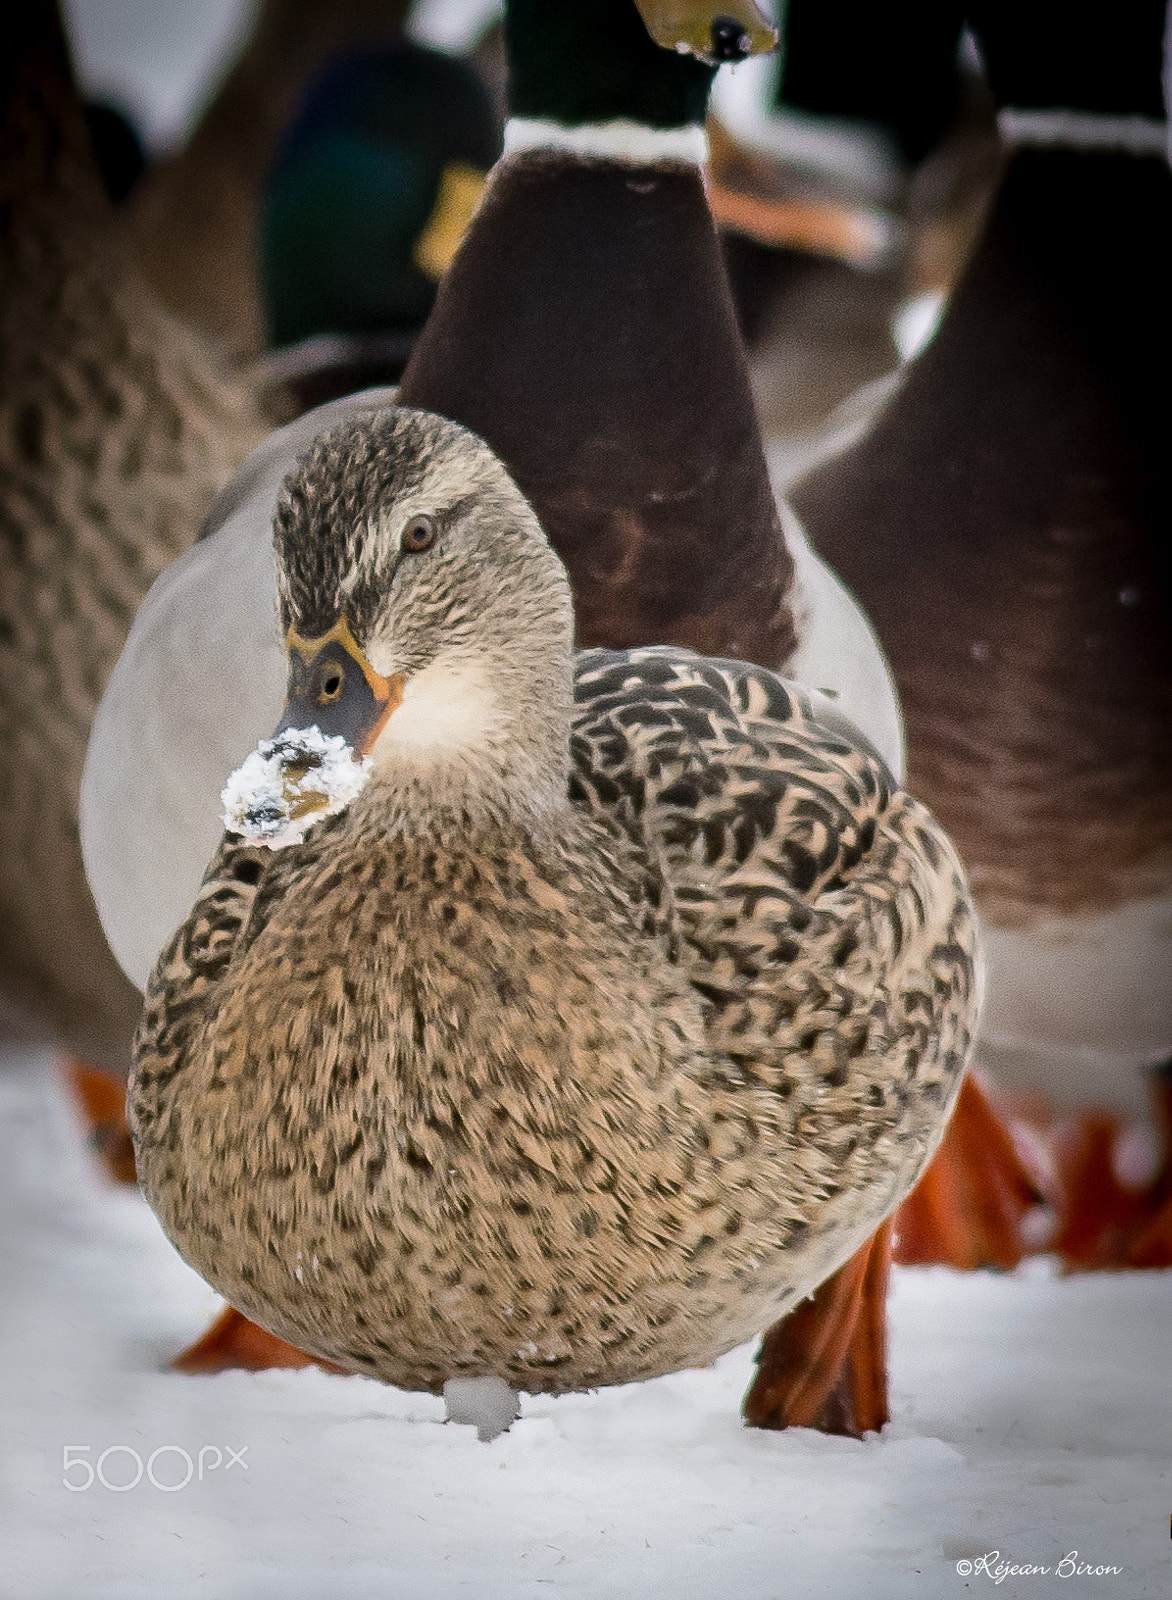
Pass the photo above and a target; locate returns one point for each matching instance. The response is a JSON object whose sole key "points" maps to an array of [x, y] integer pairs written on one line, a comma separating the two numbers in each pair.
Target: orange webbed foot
{"points": [[1151, 1243], [825, 1365], [1096, 1212], [234, 1344], [103, 1105], [1104, 1221]]}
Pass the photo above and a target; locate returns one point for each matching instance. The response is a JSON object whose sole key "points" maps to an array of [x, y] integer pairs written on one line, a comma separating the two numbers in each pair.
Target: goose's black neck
{"points": [[1073, 54], [590, 61]]}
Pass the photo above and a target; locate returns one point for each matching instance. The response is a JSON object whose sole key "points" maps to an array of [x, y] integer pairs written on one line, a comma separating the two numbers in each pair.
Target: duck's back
{"points": [[817, 900]]}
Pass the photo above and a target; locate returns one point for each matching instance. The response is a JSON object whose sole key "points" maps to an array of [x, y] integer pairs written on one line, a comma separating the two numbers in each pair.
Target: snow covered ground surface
{"points": [[1031, 1421]]}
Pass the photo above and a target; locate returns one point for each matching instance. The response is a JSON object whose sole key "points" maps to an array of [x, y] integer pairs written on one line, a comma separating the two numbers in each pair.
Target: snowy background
{"points": [[1031, 1418]]}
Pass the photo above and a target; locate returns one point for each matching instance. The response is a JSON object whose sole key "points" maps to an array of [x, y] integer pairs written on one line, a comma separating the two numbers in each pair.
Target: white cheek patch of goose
{"points": [[289, 783]]}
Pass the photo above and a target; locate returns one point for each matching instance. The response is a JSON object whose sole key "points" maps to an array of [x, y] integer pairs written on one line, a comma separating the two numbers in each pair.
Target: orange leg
{"points": [[825, 1365], [1151, 1243], [1096, 1213], [233, 1343], [103, 1104], [1102, 1222], [966, 1211]]}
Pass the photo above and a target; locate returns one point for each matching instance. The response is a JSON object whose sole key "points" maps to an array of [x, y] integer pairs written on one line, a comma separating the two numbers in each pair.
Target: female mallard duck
{"points": [[1019, 485], [606, 1007], [585, 330], [116, 431]]}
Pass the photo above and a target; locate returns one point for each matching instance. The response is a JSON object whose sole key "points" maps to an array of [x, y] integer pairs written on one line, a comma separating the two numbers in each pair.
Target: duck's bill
{"points": [[727, 31], [317, 762]]}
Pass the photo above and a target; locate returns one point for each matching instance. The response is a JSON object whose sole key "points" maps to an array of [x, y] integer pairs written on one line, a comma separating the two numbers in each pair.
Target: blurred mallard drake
{"points": [[369, 196], [585, 329], [876, 114], [609, 1007], [194, 219], [1019, 485]]}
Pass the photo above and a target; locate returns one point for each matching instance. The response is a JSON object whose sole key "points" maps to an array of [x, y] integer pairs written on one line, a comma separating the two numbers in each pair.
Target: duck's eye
{"points": [[419, 534], [331, 685]]}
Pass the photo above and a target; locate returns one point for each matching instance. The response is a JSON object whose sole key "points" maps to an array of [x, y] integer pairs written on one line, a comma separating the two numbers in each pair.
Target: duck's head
{"points": [[586, 63], [375, 180], [428, 629]]}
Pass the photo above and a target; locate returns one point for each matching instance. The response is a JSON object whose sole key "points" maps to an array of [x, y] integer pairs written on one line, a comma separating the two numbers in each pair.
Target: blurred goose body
{"points": [[118, 428]]}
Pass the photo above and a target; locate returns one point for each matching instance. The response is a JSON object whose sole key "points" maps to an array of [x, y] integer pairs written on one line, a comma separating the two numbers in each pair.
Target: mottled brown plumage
{"points": [[116, 430], [612, 1016]]}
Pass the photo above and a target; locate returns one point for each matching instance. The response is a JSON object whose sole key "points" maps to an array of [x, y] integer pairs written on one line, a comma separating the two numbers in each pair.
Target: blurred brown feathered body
{"points": [[117, 427]]}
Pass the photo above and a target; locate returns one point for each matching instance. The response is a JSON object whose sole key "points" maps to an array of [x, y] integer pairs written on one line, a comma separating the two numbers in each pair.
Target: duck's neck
{"points": [[1074, 56], [585, 330], [587, 63], [480, 739], [864, 94], [455, 798]]}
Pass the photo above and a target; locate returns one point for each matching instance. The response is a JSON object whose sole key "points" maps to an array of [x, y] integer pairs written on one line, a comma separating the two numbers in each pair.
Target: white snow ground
{"points": [[1031, 1420], [1032, 1415]]}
